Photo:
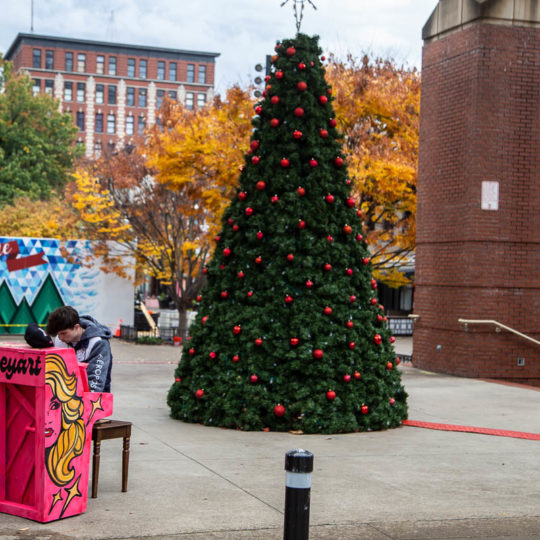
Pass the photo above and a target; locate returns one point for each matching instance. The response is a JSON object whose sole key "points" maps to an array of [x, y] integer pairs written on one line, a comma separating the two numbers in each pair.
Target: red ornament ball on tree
{"points": [[235, 358], [364, 409], [349, 324], [352, 298], [377, 339], [366, 261], [279, 410], [318, 354], [258, 260], [298, 112], [254, 144], [359, 237], [274, 122], [178, 379], [274, 100], [392, 401], [227, 252], [347, 229], [258, 109], [302, 86], [199, 298], [323, 133], [212, 355], [248, 211], [191, 351], [373, 284], [199, 393], [330, 238], [331, 395], [313, 163], [204, 319], [237, 329], [301, 66], [301, 224], [288, 299], [327, 310], [297, 134], [224, 294], [323, 100], [261, 184], [241, 275], [349, 271], [279, 74], [379, 319], [347, 377], [290, 51], [389, 366], [253, 378], [236, 228], [373, 301], [357, 375], [309, 284], [301, 191], [327, 267], [285, 163], [259, 235], [290, 257], [332, 122], [294, 341], [350, 202], [338, 162], [392, 339], [329, 198], [274, 199], [352, 345], [250, 294], [258, 342], [242, 195]]}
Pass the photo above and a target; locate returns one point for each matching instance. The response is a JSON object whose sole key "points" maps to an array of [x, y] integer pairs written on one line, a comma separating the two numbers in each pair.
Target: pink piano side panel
{"points": [[46, 422]]}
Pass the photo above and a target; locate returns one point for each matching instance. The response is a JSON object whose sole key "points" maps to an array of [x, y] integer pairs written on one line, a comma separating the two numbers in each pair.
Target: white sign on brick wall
{"points": [[490, 195]]}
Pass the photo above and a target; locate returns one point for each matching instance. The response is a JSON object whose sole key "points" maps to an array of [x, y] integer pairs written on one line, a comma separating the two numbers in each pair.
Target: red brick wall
{"points": [[480, 121]]}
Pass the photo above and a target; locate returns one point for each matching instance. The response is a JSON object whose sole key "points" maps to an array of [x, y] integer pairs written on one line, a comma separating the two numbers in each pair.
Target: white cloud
{"points": [[243, 31]]}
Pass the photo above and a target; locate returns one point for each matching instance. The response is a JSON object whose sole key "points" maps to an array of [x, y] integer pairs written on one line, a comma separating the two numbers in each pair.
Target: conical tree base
{"points": [[290, 335]]}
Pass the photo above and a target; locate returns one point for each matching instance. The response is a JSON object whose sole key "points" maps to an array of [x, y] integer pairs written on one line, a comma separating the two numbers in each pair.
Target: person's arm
{"points": [[98, 359]]}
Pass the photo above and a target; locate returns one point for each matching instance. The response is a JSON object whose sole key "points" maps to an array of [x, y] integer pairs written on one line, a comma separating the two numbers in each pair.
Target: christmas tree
{"points": [[290, 334]]}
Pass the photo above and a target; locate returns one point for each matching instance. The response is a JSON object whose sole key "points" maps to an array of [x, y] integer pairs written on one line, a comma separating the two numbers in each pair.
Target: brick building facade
{"points": [[112, 90], [478, 219]]}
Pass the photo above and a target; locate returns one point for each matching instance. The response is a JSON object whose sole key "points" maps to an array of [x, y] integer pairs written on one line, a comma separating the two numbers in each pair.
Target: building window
{"points": [[111, 123], [100, 65], [112, 65], [80, 92], [131, 67], [201, 100], [201, 74], [36, 58], [143, 65], [49, 87], [100, 89], [172, 71], [97, 149], [80, 120], [130, 125], [141, 124], [49, 59], [111, 94], [160, 96], [161, 71], [142, 97], [130, 96], [189, 100], [190, 73], [69, 61], [172, 94], [36, 86], [81, 62], [99, 123], [68, 91], [110, 146]]}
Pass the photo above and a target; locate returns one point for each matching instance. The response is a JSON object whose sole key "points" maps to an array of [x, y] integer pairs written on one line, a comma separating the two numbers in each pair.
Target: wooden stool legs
{"points": [[111, 429]]}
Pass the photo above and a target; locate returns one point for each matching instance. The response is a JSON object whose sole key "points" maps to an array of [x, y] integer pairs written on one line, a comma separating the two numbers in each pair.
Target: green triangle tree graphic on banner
{"points": [[47, 299], [7, 307]]}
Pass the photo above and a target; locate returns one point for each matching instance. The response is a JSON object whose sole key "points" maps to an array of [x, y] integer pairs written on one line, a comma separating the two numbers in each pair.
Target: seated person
{"points": [[89, 338]]}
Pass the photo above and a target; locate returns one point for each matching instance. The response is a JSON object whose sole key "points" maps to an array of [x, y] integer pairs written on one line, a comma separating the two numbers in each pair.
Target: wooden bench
{"points": [[110, 429]]}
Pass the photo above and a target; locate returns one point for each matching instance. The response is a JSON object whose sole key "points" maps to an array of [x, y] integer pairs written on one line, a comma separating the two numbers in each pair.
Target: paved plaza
{"points": [[188, 481]]}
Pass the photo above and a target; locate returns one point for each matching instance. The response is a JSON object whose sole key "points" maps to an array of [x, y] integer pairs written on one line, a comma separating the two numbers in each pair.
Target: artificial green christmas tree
{"points": [[290, 334]]}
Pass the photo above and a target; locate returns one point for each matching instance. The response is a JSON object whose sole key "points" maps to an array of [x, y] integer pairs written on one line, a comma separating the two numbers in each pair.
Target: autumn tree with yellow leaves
{"points": [[377, 106], [161, 200]]}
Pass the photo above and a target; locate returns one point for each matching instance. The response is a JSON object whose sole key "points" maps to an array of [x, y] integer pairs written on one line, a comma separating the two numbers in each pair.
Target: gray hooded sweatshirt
{"points": [[93, 349]]}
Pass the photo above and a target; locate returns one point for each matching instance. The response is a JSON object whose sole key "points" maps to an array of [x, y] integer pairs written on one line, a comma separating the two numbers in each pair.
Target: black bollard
{"points": [[299, 465]]}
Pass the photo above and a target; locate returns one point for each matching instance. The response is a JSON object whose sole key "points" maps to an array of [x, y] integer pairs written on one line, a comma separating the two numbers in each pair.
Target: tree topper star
{"points": [[299, 15]]}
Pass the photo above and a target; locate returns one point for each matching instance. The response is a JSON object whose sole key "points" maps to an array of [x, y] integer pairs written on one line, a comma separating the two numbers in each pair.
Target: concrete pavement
{"points": [[194, 482]]}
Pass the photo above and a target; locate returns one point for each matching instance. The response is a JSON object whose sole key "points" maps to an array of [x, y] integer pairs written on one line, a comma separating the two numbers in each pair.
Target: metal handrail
{"points": [[498, 326]]}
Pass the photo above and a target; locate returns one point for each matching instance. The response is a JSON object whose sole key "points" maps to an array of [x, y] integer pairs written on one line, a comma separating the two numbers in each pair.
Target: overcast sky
{"points": [[243, 31]]}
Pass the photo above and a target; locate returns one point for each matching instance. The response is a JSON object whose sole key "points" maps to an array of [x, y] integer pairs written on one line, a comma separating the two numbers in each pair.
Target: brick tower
{"points": [[478, 221]]}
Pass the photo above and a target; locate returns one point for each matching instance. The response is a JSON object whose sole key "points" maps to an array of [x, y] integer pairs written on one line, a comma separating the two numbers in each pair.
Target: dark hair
{"points": [[62, 318]]}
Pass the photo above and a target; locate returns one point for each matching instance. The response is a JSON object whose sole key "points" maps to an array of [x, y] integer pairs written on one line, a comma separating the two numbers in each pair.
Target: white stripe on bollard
{"points": [[298, 480]]}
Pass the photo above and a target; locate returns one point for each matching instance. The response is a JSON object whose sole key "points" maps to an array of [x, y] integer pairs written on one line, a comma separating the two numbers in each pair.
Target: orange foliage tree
{"points": [[377, 106], [161, 200]]}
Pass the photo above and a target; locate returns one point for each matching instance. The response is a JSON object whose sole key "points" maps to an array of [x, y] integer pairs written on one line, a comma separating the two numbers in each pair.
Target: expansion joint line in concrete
{"points": [[472, 429], [216, 473]]}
